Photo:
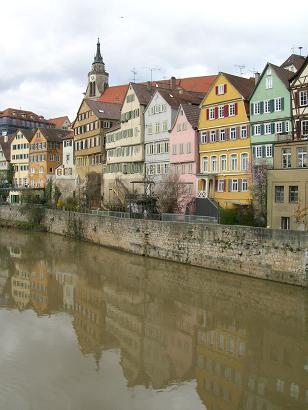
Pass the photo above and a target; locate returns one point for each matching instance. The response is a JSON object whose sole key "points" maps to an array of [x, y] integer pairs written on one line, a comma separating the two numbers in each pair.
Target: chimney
{"points": [[257, 77], [173, 83]]}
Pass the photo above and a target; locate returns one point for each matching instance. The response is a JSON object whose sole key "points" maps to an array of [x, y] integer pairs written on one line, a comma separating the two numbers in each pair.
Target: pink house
{"points": [[184, 148]]}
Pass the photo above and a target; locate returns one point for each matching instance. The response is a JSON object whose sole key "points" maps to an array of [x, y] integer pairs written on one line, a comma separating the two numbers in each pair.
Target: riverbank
{"points": [[276, 255]]}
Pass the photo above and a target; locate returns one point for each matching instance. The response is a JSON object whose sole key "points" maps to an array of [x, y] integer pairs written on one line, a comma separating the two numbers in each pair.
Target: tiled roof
{"points": [[144, 92], [23, 115], [283, 74], [199, 84], [244, 86], [28, 134], [114, 94], [175, 98], [6, 147], [295, 60], [54, 134], [192, 113], [105, 110], [59, 121]]}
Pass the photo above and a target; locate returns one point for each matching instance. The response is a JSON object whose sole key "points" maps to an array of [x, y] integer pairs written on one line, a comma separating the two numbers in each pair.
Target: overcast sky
{"points": [[47, 47]]}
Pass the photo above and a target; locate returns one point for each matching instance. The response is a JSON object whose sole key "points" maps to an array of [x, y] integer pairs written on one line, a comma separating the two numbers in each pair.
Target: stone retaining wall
{"points": [[256, 252]]}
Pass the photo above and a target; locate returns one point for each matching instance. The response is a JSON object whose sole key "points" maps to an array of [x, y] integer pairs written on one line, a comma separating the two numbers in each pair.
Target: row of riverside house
{"points": [[229, 138]]}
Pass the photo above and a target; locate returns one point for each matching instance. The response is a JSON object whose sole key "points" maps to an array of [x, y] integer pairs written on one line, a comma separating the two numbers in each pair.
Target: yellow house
{"points": [[225, 151]]}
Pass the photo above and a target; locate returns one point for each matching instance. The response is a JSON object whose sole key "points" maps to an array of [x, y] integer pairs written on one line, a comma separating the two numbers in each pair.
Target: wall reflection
{"points": [[244, 341]]}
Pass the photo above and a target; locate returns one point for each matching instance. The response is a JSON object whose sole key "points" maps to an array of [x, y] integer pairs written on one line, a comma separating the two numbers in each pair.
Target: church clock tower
{"points": [[97, 77]]}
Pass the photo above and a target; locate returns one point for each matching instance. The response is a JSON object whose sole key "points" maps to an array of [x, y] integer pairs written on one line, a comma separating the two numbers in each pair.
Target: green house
{"points": [[270, 113]]}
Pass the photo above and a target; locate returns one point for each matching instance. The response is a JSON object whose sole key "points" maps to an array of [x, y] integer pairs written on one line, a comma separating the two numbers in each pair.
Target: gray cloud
{"points": [[47, 47]]}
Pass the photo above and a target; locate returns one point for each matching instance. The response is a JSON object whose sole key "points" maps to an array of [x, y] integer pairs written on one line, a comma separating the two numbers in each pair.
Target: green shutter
{"points": [[271, 104], [261, 107], [282, 103]]}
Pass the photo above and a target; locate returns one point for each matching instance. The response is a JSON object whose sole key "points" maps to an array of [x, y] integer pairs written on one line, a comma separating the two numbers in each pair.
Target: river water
{"points": [[85, 328]]}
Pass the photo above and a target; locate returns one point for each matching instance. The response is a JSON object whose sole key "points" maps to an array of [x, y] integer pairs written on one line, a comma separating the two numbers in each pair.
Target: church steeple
{"points": [[97, 77]]}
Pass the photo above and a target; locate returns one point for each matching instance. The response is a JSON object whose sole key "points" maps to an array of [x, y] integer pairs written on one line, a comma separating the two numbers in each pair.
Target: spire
{"points": [[98, 58]]}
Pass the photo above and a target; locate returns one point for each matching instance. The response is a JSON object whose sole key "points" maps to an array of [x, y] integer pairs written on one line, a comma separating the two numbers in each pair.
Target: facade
{"points": [[125, 145], [225, 151], [93, 119], [270, 112], [65, 175], [287, 206], [12, 119], [299, 90], [184, 147], [20, 157], [159, 117], [45, 155], [5, 150]]}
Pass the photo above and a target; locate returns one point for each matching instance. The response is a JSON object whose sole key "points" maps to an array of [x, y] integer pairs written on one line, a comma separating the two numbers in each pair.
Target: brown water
{"points": [[83, 327]]}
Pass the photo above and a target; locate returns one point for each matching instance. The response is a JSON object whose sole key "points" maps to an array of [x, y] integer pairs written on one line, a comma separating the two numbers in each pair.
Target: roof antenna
{"points": [[241, 67], [300, 50], [133, 70], [151, 70]]}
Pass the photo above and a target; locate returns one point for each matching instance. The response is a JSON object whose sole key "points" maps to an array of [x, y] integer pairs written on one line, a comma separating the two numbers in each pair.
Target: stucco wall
{"points": [[256, 252]]}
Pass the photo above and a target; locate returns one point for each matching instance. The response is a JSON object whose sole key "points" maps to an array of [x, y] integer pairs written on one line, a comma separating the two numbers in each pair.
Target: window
{"points": [[244, 161], [221, 111], [212, 113], [279, 193], [267, 106], [285, 222], [214, 163], [174, 149], [181, 148], [213, 136], [257, 128], [188, 148], [256, 108], [223, 163], [202, 137], [234, 185], [178, 127], [233, 133], [222, 135], [244, 185], [233, 162], [278, 104], [220, 185], [243, 131], [268, 151], [280, 386], [231, 109], [293, 193], [205, 164], [303, 98], [305, 128], [278, 127], [190, 168], [302, 157], [286, 158], [165, 125], [267, 128], [221, 89], [157, 127], [258, 151], [294, 391], [269, 82]]}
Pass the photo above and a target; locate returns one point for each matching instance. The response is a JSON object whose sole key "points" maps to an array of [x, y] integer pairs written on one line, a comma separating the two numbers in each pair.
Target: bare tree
{"points": [[258, 185], [172, 195], [93, 190], [300, 214]]}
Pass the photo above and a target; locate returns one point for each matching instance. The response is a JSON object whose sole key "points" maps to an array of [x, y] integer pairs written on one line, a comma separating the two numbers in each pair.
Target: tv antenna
{"points": [[151, 69], [241, 67], [134, 72], [300, 50]]}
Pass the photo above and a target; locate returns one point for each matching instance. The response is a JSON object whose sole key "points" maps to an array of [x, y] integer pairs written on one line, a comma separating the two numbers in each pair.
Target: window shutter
{"points": [[226, 110], [240, 184], [261, 107], [216, 89], [262, 129], [225, 88], [271, 104], [207, 136], [282, 103], [283, 126], [296, 98], [298, 129], [263, 151], [248, 131], [229, 185], [251, 109], [216, 185], [217, 135], [225, 185], [236, 108], [252, 130], [216, 112], [207, 113], [227, 134], [273, 128], [237, 132], [254, 151]]}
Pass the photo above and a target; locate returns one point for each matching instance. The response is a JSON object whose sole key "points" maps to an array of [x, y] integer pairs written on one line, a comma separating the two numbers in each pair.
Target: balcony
{"points": [[201, 194], [284, 137]]}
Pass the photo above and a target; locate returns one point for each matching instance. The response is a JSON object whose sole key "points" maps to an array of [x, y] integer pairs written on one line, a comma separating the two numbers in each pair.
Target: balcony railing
{"points": [[201, 194]]}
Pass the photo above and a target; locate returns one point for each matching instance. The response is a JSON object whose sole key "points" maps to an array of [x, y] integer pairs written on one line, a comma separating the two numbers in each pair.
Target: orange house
{"points": [[45, 155]]}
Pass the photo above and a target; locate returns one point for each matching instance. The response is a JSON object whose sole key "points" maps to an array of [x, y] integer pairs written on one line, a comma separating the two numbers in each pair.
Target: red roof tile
{"points": [[114, 94], [59, 121]]}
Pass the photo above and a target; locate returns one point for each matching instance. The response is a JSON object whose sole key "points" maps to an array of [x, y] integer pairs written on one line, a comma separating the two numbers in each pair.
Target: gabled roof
{"points": [[295, 60], [199, 84], [23, 115], [59, 121], [105, 110], [192, 113], [6, 147], [143, 92], [175, 98], [114, 94], [54, 134], [28, 134], [299, 72], [244, 86]]}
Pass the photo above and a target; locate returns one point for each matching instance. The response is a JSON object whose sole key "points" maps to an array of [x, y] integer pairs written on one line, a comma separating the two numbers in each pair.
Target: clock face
{"points": [[92, 77]]}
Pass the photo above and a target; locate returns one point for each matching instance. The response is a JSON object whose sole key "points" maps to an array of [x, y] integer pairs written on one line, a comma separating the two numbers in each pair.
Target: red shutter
{"points": [[225, 88], [216, 89], [227, 134], [237, 132], [207, 113], [226, 111], [236, 109], [216, 113]]}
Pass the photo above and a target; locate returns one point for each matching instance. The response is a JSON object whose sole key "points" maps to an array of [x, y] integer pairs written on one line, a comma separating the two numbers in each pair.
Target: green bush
{"points": [[242, 215]]}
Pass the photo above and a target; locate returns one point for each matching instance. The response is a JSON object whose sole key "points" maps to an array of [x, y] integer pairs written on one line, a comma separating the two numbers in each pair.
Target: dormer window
{"points": [[269, 71], [130, 98]]}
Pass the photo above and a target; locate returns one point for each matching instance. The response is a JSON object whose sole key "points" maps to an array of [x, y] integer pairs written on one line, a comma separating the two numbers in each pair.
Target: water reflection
{"points": [[244, 342]]}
